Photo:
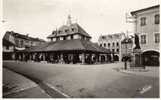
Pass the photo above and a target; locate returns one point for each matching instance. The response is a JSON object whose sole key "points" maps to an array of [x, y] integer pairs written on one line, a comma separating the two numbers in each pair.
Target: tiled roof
{"points": [[111, 36], [36, 39], [81, 30], [38, 48], [25, 37], [68, 45], [17, 35]]}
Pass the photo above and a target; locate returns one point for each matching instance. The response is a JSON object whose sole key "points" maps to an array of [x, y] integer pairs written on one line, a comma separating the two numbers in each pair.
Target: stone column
{"points": [[19, 56], [13, 56], [83, 58], [43, 54], [112, 57], [93, 58], [69, 58], [33, 56], [90, 58], [99, 57], [136, 59], [72, 57], [107, 57], [23, 56], [51, 57], [61, 58], [29, 56]]}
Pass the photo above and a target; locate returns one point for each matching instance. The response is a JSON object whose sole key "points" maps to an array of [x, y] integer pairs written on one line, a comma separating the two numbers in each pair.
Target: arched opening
{"points": [[150, 58], [102, 58], [108, 58], [116, 58]]}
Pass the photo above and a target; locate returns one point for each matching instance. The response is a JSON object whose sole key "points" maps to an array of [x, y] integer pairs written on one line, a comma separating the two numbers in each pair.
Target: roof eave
{"points": [[140, 10]]}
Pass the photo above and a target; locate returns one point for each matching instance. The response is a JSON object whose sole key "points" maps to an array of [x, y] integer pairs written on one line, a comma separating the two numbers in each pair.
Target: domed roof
{"points": [[71, 29]]}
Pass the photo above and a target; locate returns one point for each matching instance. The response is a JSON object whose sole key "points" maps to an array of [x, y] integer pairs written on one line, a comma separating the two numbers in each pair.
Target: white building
{"points": [[147, 28], [112, 42]]}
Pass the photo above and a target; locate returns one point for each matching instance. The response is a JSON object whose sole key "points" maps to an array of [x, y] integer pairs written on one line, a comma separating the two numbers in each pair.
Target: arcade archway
{"points": [[116, 58], [103, 58], [150, 58]]}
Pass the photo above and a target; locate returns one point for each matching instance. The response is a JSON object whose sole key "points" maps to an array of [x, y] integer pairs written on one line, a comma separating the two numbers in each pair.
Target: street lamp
{"points": [[126, 42]]}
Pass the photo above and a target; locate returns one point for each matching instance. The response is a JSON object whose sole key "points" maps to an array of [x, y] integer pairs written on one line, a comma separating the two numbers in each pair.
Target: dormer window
{"points": [[66, 30], [72, 29], [59, 32]]}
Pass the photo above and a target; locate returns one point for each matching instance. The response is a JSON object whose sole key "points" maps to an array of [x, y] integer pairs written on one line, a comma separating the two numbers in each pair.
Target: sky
{"points": [[39, 18]]}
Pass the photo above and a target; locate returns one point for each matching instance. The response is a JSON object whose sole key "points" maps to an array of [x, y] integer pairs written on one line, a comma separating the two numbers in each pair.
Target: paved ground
{"points": [[149, 71], [89, 80], [17, 86]]}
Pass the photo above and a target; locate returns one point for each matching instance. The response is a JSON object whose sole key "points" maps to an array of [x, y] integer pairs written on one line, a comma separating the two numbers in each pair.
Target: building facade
{"points": [[147, 28], [8, 47], [24, 41], [13, 42], [112, 42]]}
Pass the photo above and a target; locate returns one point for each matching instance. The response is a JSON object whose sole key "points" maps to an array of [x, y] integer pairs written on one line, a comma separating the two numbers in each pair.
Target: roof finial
{"points": [[69, 22]]}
